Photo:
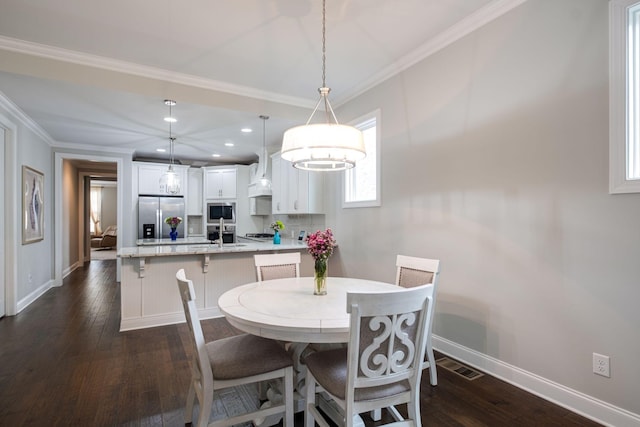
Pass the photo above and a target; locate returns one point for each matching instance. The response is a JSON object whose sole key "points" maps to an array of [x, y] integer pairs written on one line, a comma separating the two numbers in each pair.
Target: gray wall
{"points": [[109, 206], [34, 263], [495, 160], [70, 220]]}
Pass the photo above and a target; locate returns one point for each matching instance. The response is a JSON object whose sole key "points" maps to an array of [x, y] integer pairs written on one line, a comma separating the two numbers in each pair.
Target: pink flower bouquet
{"points": [[320, 244], [173, 221]]}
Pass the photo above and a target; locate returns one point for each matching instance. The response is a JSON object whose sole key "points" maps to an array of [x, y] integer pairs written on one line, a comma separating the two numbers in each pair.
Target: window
{"points": [[362, 183], [96, 214], [624, 96]]}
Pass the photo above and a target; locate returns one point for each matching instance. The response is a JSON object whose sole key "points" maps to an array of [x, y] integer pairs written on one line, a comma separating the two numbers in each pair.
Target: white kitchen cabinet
{"points": [[195, 206], [278, 189], [219, 183], [295, 191], [259, 206], [149, 174]]}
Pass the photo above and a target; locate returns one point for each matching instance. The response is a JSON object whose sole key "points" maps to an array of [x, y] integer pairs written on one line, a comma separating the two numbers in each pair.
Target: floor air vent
{"points": [[458, 368]]}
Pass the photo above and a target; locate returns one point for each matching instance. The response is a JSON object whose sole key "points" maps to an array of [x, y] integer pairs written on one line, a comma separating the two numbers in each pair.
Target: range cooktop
{"points": [[260, 235]]}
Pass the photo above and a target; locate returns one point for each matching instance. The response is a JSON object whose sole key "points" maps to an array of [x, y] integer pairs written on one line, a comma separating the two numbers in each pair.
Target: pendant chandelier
{"points": [[265, 183], [170, 180], [327, 146]]}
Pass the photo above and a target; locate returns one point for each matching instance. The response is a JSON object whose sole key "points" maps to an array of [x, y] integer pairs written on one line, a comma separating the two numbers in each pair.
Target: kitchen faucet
{"points": [[220, 232]]}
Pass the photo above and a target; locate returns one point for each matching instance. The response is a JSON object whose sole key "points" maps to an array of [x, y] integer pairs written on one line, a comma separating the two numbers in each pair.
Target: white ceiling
{"points": [[96, 73]]}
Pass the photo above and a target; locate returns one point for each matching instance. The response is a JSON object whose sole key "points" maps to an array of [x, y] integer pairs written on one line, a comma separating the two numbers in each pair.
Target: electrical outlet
{"points": [[601, 365]]}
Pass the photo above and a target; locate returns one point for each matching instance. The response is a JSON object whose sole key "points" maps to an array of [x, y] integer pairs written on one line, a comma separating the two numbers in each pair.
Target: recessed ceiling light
{"points": [[161, 150], [215, 155], [170, 119], [246, 130], [228, 144]]}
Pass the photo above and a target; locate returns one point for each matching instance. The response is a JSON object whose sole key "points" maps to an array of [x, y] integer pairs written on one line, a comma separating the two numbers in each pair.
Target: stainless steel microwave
{"points": [[224, 210]]}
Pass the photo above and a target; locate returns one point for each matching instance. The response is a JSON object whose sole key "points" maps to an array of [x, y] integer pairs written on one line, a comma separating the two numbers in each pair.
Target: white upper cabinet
{"points": [[195, 206], [295, 191], [219, 183], [278, 189], [149, 174]]}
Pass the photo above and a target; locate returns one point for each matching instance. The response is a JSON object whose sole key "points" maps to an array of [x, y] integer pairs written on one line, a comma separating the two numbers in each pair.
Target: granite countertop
{"points": [[178, 241], [207, 248]]}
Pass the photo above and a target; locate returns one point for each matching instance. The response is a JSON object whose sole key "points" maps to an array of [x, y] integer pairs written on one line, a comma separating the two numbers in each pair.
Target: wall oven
{"points": [[228, 233], [224, 210]]}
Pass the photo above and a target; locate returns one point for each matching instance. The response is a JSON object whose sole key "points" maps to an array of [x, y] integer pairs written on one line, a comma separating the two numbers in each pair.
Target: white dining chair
{"points": [[230, 362], [413, 271], [382, 364], [410, 272], [277, 266]]}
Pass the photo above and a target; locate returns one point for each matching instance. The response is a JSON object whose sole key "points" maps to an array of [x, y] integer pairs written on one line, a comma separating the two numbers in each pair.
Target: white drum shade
{"points": [[323, 147]]}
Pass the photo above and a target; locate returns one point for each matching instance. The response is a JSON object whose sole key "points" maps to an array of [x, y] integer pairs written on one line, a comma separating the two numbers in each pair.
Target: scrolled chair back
{"points": [[388, 339]]}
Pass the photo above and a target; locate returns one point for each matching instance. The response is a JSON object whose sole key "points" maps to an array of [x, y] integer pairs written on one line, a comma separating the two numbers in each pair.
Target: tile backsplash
{"points": [[294, 223]]}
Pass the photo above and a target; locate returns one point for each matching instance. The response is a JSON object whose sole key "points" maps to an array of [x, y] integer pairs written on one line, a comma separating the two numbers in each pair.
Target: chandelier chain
{"points": [[170, 138], [324, 42], [323, 146]]}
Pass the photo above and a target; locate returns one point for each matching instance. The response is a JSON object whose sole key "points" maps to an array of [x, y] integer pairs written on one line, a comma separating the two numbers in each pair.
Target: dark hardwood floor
{"points": [[64, 362]]}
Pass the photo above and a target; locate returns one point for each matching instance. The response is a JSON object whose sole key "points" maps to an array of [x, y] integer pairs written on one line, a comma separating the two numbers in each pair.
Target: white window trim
{"points": [[378, 200], [618, 149]]}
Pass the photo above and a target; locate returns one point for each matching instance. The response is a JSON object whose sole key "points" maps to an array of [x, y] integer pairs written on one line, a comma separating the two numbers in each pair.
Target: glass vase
{"points": [[173, 234], [276, 238], [320, 277]]}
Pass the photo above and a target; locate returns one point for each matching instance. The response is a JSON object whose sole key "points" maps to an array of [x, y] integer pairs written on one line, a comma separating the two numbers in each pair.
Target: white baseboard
{"points": [[70, 269], [580, 403], [133, 323], [24, 302]]}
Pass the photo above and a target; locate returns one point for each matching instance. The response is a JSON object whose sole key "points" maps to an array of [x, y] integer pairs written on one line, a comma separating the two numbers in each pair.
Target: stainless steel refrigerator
{"points": [[152, 210]]}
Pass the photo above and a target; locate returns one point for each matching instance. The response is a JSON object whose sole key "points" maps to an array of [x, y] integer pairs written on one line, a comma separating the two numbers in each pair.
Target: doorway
{"points": [[85, 165], [101, 217]]}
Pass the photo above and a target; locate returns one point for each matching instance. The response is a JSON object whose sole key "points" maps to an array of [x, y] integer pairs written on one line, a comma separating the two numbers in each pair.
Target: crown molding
{"points": [[467, 25], [23, 118], [101, 62], [92, 148]]}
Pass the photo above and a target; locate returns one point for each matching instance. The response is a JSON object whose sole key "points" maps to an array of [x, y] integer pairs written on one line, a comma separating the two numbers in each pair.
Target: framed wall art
{"points": [[32, 205]]}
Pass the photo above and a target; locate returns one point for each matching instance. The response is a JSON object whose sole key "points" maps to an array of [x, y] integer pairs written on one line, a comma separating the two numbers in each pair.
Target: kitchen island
{"points": [[149, 293]]}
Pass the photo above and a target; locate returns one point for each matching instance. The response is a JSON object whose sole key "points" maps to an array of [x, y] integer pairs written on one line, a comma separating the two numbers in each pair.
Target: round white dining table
{"points": [[287, 309]]}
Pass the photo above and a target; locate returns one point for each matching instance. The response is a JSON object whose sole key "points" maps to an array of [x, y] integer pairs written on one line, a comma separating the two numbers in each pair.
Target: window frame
{"points": [[620, 160], [377, 202]]}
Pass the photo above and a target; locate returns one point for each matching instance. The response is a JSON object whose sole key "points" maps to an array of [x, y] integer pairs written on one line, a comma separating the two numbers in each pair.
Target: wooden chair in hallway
{"points": [[230, 362], [277, 266], [410, 272], [382, 364]]}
